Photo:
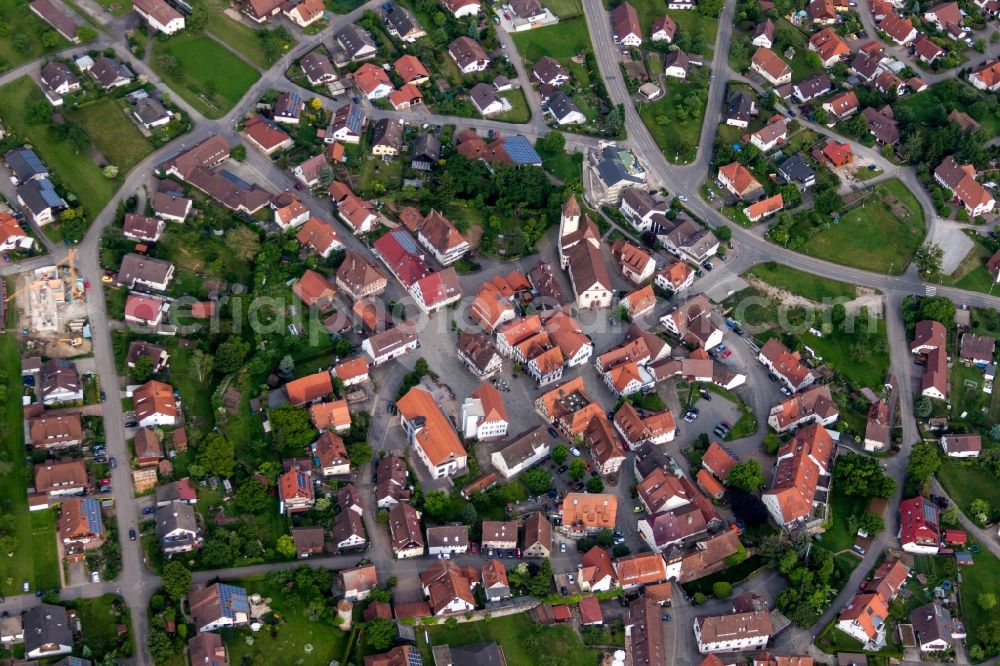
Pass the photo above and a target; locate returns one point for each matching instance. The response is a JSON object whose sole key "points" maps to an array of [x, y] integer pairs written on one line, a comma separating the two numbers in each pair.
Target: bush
{"points": [[722, 589], [699, 598]]}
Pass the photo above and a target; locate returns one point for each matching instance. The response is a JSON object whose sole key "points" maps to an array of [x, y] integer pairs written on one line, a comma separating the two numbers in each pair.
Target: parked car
{"points": [[552, 433], [113, 462], [149, 510], [131, 535], [575, 451], [95, 577], [562, 549]]}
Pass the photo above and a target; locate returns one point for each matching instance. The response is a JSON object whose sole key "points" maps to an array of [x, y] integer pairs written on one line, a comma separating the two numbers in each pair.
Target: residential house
{"points": [[563, 109], [176, 491], [401, 24], [684, 524], [462, 8], [605, 449], [811, 88], [626, 29], [763, 35], [739, 181], [449, 587], [40, 201], [961, 446], [965, 189], [796, 170], [359, 277], [639, 570], [926, 50], [154, 403], [486, 100], [318, 68], [740, 109], [218, 605], [933, 626], [527, 450], [948, 18], [484, 416], [495, 582], [314, 290], [150, 113], [479, 354], [59, 382], [347, 124], [206, 649], [348, 531], [148, 449], [499, 534], [638, 427], [691, 321], [288, 107], [718, 461], [372, 81], [841, 106], [389, 344], [55, 431], [663, 29], [57, 81], [675, 276], [588, 513], [177, 529], [80, 527], [319, 236], [109, 73], [305, 13], [977, 349], [359, 582], [829, 45], [878, 430], [639, 302], [881, 125], [771, 135], [171, 207], [801, 478], [437, 233], [352, 371], [60, 478], [537, 535], [404, 531], [329, 455], [898, 29], [260, 10], [597, 573], [468, 54], [736, 632], [309, 389], [635, 264], [661, 491], [644, 630], [411, 70], [356, 43], [359, 215], [813, 405], [767, 63], [387, 138], [756, 212], [430, 433], [986, 77], [787, 366], [452, 539], [549, 71], [266, 136], [865, 619], [295, 491], [47, 629]]}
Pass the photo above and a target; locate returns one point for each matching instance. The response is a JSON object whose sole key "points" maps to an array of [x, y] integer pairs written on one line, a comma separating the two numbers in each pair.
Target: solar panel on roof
{"points": [[233, 599], [521, 151], [405, 241], [91, 510], [32, 160], [415, 659], [233, 178], [48, 193]]}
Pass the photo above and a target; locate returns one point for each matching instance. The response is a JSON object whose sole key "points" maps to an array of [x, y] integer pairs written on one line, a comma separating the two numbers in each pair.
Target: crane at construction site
{"points": [[70, 260]]}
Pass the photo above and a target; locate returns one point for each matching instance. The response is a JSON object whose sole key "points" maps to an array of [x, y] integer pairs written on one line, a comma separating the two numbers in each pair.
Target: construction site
{"points": [[51, 305]]}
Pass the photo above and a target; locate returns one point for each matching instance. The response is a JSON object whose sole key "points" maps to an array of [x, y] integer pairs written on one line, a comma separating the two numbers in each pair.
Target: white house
{"points": [[484, 415], [736, 632], [527, 450], [159, 15]]}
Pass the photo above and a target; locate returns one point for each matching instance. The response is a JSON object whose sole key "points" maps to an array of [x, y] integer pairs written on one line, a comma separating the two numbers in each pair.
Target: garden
{"points": [[29, 535], [24, 36], [213, 90]]}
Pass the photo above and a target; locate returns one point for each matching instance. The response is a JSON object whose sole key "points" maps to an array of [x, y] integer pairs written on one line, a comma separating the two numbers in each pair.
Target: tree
{"points": [[286, 366], [722, 589], [595, 485], [142, 369], [698, 598], [861, 476], [110, 172], [239, 152], [380, 634], [949, 516], [252, 497], [201, 365], [606, 538], [39, 113], [21, 43], [176, 580], [723, 233], [577, 469], [746, 476], [923, 463], [553, 142], [995, 432], [923, 407], [217, 455], [987, 601], [819, 114], [871, 524], [325, 176], [436, 504], [928, 258], [710, 8], [980, 510], [559, 453], [291, 429], [244, 243], [469, 513], [229, 356], [286, 546], [315, 104], [541, 583], [537, 480], [938, 308]]}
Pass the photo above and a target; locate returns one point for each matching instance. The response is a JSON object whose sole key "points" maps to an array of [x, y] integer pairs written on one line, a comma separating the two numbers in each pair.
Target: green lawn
{"points": [[967, 394], [815, 288], [933, 104], [238, 36], [100, 621], [295, 632], [565, 8], [519, 113], [982, 577], [837, 536], [966, 481], [80, 175], [34, 557], [971, 274], [872, 237], [21, 21], [678, 139], [562, 165], [800, 63], [835, 349], [561, 643], [113, 133], [212, 90]]}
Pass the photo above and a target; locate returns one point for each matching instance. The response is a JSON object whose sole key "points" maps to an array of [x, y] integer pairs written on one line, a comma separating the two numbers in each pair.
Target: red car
{"points": [[727, 353]]}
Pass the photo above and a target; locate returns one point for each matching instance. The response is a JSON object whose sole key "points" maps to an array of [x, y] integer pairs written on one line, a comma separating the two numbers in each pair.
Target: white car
{"points": [[562, 546], [575, 451], [95, 577]]}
